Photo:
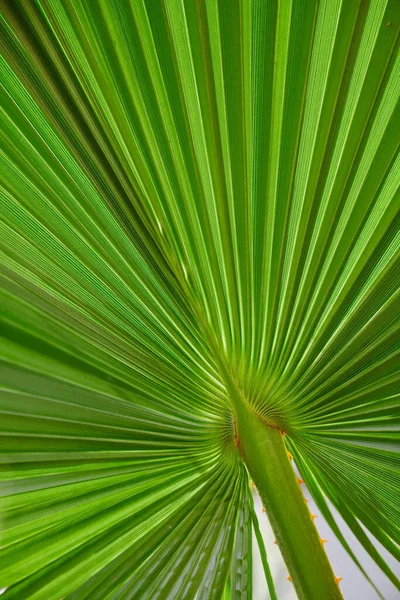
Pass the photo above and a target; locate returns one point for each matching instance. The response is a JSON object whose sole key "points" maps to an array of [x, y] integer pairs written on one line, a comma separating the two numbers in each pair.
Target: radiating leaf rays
{"points": [[172, 171]]}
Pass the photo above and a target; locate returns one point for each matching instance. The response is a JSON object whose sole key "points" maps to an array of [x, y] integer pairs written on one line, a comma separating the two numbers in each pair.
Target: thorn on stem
{"points": [[338, 580], [290, 455], [289, 578], [313, 516], [300, 481], [323, 541]]}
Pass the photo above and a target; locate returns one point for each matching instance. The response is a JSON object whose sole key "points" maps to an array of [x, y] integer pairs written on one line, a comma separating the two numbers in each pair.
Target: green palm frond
{"points": [[197, 197]]}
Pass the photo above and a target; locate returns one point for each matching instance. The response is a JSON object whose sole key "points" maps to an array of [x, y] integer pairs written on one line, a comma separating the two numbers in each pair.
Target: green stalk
{"points": [[264, 453]]}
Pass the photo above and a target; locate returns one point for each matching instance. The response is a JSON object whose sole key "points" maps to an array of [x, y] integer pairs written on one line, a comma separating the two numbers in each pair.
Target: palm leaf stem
{"points": [[264, 452]]}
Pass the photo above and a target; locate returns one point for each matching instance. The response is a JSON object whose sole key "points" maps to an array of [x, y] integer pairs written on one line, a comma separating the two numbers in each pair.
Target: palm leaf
{"points": [[194, 195]]}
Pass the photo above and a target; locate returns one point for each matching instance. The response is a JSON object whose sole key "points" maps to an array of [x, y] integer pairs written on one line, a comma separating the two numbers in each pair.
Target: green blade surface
{"points": [[186, 185]]}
